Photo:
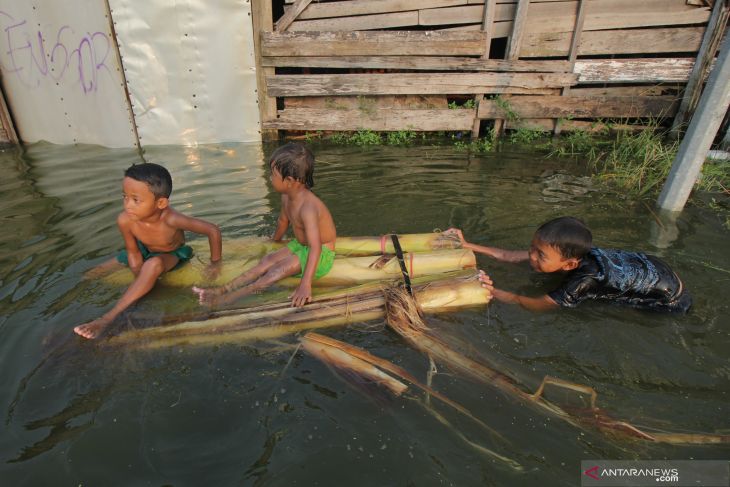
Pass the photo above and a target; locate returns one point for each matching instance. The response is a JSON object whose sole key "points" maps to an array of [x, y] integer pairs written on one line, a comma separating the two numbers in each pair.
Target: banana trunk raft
{"points": [[356, 304], [425, 254]]}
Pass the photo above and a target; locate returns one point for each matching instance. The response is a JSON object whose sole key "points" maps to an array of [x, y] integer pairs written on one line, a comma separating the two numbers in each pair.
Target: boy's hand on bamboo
{"points": [[458, 233], [213, 270], [486, 281], [302, 295]]}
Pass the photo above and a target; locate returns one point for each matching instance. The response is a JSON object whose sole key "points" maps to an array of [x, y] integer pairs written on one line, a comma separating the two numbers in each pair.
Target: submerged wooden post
{"points": [[710, 42], [263, 21], [698, 139]]}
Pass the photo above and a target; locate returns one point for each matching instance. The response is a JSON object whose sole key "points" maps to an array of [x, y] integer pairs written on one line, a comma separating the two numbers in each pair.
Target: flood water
{"points": [[77, 413]]}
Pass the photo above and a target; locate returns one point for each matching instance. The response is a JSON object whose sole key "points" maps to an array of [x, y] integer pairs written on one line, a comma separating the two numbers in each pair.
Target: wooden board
{"points": [[543, 17], [372, 43], [409, 102], [368, 7], [375, 119], [631, 41], [633, 70], [429, 63], [410, 83], [580, 107]]}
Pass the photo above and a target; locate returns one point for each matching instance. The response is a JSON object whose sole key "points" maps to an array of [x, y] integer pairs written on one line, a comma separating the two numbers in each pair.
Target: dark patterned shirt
{"points": [[631, 278]]}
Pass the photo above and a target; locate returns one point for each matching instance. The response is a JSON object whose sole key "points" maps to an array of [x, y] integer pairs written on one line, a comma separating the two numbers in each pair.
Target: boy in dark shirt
{"points": [[565, 245]]}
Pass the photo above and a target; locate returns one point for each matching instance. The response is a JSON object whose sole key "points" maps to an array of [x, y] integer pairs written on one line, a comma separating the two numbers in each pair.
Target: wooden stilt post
{"points": [[487, 26], [513, 48], [705, 56], [698, 139], [573, 52], [263, 21]]}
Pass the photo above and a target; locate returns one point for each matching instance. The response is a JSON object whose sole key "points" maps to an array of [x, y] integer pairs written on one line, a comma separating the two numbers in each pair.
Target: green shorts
{"points": [[326, 258], [184, 253]]}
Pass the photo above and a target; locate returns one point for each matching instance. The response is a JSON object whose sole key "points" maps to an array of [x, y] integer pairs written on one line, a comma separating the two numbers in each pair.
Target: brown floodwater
{"points": [[79, 413]]}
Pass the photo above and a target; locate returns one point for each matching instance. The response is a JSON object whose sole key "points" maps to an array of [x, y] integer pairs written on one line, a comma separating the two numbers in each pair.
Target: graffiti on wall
{"points": [[59, 56]]}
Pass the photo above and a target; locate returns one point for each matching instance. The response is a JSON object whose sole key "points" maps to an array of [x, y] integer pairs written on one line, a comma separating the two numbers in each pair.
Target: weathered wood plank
{"points": [[671, 90], [429, 63], [403, 102], [629, 41], [633, 70], [400, 43], [368, 7], [560, 17], [580, 107], [377, 119], [710, 43], [285, 21], [518, 29], [359, 22], [262, 18], [410, 83]]}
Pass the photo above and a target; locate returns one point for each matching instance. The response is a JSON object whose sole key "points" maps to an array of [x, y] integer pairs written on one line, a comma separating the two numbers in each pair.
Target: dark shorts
{"points": [[183, 253]]}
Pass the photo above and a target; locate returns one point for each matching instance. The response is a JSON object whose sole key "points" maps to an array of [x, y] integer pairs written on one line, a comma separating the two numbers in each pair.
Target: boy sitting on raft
{"points": [[565, 244], [153, 235], [309, 256]]}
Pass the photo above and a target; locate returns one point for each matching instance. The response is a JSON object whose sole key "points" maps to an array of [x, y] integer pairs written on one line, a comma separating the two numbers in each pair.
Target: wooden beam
{"points": [[410, 83], [390, 43], [629, 41], [580, 107], [710, 42], [375, 119], [487, 22], [263, 22], [573, 51], [635, 70], [290, 15], [368, 7], [6, 122], [423, 63], [518, 29]]}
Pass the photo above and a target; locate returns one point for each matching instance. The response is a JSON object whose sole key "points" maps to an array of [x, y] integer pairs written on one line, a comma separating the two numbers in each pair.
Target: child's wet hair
{"points": [[569, 235], [156, 177], [295, 161]]}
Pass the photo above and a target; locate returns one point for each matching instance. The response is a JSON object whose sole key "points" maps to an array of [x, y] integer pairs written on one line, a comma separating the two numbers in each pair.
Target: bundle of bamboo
{"points": [[242, 254], [357, 304]]}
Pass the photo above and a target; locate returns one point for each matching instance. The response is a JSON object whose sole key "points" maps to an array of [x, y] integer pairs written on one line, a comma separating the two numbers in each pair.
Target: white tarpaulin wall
{"points": [[190, 69], [61, 73]]}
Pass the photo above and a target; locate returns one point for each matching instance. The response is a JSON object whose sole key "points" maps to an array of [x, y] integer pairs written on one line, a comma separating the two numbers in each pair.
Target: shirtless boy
{"points": [[565, 245], [154, 238], [309, 256]]}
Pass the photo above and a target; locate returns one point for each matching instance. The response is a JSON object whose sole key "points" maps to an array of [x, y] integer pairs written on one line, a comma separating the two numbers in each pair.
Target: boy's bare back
{"points": [[309, 205]]}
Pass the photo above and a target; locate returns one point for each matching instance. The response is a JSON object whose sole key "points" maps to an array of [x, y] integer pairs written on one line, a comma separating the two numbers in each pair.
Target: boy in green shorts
{"points": [[154, 238], [309, 256]]}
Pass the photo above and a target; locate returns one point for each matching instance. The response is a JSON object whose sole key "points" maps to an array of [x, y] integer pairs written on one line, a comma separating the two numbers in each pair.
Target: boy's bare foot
{"points": [[209, 296], [92, 329]]}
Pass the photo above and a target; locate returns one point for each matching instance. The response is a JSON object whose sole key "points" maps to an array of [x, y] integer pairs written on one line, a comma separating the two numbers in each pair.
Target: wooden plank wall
{"points": [[394, 64]]}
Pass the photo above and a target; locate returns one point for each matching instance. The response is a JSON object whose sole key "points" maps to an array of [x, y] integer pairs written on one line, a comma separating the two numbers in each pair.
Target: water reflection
{"points": [[255, 413]]}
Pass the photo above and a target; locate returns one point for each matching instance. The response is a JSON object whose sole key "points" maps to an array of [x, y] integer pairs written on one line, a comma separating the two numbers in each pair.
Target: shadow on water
{"points": [[260, 414]]}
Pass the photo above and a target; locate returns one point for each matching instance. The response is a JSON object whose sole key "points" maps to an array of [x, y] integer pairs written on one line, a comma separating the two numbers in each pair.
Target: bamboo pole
{"points": [[262, 16], [710, 42], [357, 304]]}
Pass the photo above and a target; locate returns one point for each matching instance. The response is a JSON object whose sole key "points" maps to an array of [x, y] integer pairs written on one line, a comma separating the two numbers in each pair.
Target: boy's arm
{"points": [[310, 220], [540, 303], [134, 256], [202, 227], [281, 226], [501, 255]]}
